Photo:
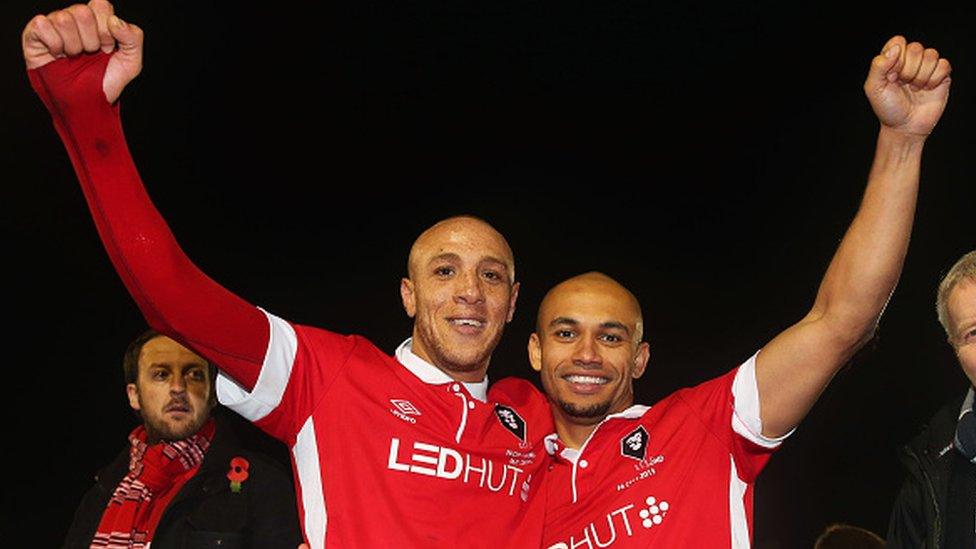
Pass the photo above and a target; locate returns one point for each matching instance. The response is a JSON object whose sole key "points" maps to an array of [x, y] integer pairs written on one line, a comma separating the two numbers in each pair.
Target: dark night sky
{"points": [[709, 158]]}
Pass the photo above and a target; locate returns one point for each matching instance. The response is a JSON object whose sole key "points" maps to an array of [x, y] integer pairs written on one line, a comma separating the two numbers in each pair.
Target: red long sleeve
{"points": [[175, 297]]}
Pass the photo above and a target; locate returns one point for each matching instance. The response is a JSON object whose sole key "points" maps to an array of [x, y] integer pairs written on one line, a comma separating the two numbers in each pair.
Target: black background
{"points": [[709, 157]]}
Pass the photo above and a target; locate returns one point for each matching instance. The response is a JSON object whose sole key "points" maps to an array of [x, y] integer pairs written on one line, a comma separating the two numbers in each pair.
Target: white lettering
{"points": [[421, 458], [446, 463], [515, 473], [501, 482], [468, 468], [392, 461], [442, 470], [590, 530], [623, 514], [613, 533], [573, 544], [403, 417]]}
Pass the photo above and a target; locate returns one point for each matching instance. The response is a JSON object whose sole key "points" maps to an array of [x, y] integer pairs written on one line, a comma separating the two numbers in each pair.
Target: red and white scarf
{"points": [[156, 474]]}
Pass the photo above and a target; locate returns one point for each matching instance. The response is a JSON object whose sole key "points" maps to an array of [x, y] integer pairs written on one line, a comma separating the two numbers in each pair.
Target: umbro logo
{"points": [[634, 444], [405, 406], [510, 420], [404, 409]]}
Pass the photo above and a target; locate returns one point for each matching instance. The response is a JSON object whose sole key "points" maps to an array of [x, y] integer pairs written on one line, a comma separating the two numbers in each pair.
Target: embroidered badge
{"points": [[634, 444], [510, 420]]}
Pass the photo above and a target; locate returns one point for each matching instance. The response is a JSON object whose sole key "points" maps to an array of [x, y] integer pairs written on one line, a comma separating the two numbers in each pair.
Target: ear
{"points": [[535, 352], [408, 297], [640, 359], [511, 302], [133, 393]]}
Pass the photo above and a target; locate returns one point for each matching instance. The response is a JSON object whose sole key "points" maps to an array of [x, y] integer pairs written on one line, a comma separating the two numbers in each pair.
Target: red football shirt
{"points": [[677, 474], [387, 452], [391, 452]]}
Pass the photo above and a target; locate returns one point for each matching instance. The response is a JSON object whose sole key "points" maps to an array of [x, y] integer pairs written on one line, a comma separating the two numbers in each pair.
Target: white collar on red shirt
{"points": [[572, 454], [428, 373]]}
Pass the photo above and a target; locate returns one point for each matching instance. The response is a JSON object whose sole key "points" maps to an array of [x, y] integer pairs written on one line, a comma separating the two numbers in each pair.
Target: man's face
{"points": [[460, 294], [961, 307], [588, 349], [171, 391]]}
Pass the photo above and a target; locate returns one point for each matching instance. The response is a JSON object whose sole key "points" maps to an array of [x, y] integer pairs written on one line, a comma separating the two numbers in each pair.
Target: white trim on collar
{"points": [[551, 441], [432, 375]]}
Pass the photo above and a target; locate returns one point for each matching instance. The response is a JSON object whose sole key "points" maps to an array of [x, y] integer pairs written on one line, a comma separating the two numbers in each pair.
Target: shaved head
{"points": [[591, 283], [588, 348], [460, 290], [456, 229]]}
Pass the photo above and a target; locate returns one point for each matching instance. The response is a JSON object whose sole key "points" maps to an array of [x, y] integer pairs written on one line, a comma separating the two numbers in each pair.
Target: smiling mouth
{"points": [[468, 323], [577, 379]]}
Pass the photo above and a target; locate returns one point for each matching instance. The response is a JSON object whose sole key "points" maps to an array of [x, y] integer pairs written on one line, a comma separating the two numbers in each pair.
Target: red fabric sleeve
{"points": [[713, 403], [175, 297]]}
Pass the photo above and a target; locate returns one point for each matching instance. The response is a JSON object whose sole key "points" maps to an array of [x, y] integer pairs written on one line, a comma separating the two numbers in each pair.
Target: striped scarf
{"points": [[156, 474]]}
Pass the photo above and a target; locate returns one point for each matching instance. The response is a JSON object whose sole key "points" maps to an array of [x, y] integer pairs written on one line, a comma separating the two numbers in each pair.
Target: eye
{"points": [[160, 375], [564, 334], [444, 271], [492, 275], [969, 336], [196, 375], [611, 338]]}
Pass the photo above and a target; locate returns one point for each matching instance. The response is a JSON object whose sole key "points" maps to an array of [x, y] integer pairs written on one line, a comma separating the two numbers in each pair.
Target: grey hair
{"points": [[964, 269]]}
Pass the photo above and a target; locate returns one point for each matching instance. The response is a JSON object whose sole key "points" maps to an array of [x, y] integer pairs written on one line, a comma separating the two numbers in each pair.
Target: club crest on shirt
{"points": [[634, 444], [510, 420]]}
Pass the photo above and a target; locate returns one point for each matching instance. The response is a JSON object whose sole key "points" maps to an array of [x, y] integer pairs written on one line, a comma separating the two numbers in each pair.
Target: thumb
{"points": [[129, 37], [884, 70], [883, 66], [126, 61]]}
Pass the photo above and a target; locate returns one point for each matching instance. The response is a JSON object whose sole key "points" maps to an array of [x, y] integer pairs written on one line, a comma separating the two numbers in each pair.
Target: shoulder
{"points": [[516, 391], [941, 427], [521, 395]]}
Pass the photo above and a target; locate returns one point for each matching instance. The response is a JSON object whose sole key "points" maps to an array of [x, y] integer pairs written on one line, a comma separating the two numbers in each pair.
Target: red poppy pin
{"points": [[237, 473]]}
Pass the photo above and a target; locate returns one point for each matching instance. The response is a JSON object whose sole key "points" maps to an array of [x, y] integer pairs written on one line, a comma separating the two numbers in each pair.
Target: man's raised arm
{"points": [[79, 60], [907, 86]]}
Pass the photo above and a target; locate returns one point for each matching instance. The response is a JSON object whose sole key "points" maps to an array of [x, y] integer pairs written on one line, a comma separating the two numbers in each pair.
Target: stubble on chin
{"points": [[159, 430], [593, 411]]}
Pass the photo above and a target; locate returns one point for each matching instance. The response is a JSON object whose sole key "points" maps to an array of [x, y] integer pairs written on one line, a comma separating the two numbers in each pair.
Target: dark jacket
{"points": [[205, 513], [918, 517]]}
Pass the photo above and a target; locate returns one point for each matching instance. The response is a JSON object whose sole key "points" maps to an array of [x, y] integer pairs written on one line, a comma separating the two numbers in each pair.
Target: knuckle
{"points": [[38, 22], [60, 17], [82, 14]]}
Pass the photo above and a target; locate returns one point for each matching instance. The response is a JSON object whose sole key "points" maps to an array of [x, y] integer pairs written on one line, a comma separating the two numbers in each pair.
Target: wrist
{"points": [[899, 138]]}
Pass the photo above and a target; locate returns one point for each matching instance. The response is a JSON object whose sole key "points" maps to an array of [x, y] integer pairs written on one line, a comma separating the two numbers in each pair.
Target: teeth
{"points": [[591, 380], [468, 322]]}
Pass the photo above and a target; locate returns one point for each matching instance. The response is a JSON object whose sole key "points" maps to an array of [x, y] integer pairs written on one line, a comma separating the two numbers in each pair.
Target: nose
{"points": [[587, 353], [469, 288], [177, 384]]}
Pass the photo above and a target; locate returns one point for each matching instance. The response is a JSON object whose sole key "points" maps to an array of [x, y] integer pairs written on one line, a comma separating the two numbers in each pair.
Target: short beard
{"points": [[596, 411], [159, 431]]}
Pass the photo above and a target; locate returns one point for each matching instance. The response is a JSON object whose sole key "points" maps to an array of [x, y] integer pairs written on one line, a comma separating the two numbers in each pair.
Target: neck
{"points": [[572, 431], [474, 375]]}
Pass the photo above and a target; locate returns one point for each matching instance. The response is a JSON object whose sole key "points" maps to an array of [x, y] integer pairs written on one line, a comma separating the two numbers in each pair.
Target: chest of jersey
{"points": [[410, 464], [663, 480]]}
